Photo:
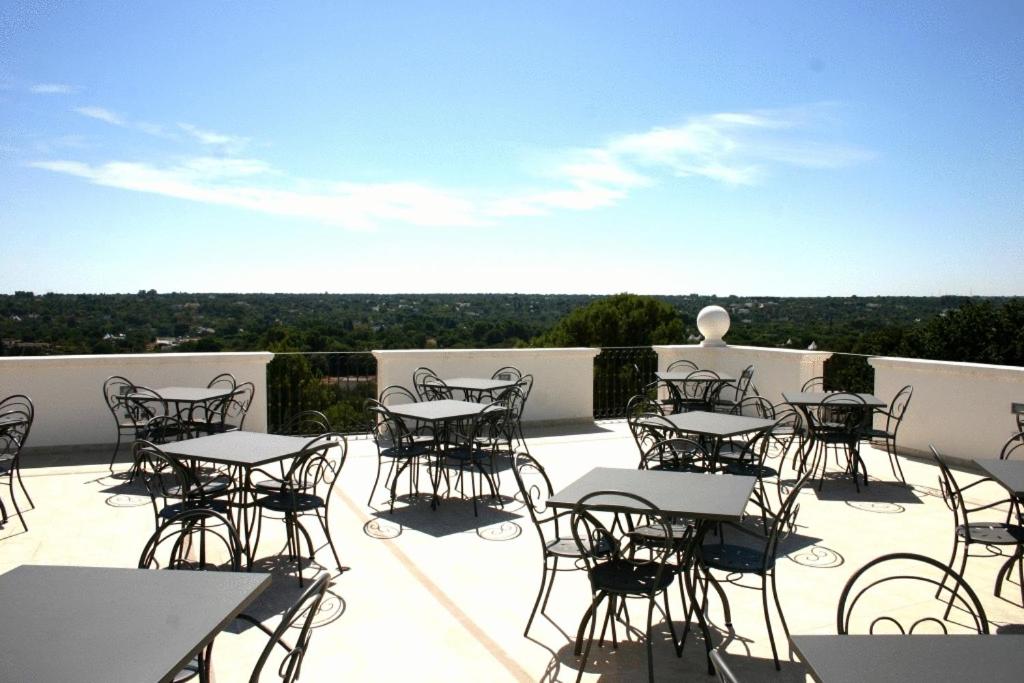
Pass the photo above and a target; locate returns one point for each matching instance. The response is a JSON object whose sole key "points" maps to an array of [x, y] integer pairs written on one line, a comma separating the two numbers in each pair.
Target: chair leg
{"points": [[31, 503], [650, 643], [768, 621], [590, 639], [117, 447], [330, 541], [956, 586], [540, 593], [894, 461]]}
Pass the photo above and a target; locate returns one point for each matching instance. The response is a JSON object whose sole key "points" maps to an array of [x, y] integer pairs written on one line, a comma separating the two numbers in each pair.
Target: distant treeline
{"points": [[949, 327]]}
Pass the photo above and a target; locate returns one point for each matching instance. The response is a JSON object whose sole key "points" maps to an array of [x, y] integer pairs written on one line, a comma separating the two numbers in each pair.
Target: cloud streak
{"points": [[732, 148], [52, 89]]}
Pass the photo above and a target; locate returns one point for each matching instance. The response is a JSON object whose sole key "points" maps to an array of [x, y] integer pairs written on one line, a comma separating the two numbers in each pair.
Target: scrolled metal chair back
{"points": [[115, 389], [387, 429], [224, 380], [755, 406], [900, 586], [785, 521], [681, 365], [534, 487], [700, 385], [951, 494], [599, 543], [195, 540], [525, 385], [142, 404], [17, 413], [676, 454], [300, 617], [163, 429], [319, 463], [419, 376], [434, 389], [1013, 447], [166, 478], [648, 429], [813, 384], [396, 395], [647, 403], [306, 423], [841, 413]]}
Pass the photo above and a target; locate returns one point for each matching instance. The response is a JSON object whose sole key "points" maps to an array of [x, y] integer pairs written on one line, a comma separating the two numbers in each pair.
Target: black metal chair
{"points": [[224, 380], [987, 533], [305, 491], [226, 415], [836, 426], [1013, 448], [887, 434], [892, 583], [16, 417], [126, 417], [194, 540], [699, 391], [625, 568], [420, 378], [751, 461], [396, 395], [470, 445], [398, 446], [646, 423], [731, 395], [759, 557], [174, 487], [675, 455], [664, 394], [297, 621], [681, 365], [508, 374], [814, 384], [535, 488], [306, 423], [514, 398]]}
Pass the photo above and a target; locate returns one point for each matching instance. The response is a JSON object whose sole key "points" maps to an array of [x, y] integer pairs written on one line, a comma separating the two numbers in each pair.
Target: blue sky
{"points": [[674, 147]]}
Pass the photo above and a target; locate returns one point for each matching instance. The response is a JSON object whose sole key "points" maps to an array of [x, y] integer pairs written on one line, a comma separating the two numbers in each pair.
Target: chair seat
{"points": [[171, 510], [751, 469], [995, 533], [735, 558], [654, 534], [625, 577], [211, 487], [563, 547], [875, 434], [669, 465], [408, 452], [291, 502]]}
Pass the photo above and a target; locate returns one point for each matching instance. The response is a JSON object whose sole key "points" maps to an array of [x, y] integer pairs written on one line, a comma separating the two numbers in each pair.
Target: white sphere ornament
{"points": [[713, 323]]}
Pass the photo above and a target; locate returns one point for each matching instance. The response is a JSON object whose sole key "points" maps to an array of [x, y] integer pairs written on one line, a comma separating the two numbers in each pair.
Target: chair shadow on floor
{"points": [[284, 590]]}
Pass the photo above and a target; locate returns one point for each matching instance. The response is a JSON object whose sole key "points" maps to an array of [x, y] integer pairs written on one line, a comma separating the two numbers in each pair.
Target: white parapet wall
{"points": [[563, 386], [775, 370], [962, 408], [67, 391]]}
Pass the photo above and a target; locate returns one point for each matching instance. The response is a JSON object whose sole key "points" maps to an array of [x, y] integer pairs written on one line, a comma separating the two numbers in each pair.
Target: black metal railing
{"points": [[335, 383], [619, 373], [849, 372]]}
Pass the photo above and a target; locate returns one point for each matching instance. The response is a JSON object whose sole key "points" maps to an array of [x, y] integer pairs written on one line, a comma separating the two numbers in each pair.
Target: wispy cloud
{"points": [[734, 148], [52, 89], [101, 114], [229, 143]]}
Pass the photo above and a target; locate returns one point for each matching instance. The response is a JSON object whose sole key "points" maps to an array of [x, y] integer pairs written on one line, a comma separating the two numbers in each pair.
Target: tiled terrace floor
{"points": [[441, 595]]}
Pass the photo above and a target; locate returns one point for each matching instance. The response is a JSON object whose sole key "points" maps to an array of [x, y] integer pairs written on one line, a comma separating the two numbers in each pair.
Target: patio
{"points": [[442, 595]]}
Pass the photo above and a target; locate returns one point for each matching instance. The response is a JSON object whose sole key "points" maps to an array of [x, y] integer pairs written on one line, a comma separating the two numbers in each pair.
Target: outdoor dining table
{"points": [[717, 426], [101, 624], [705, 498], [475, 388], [912, 658], [1008, 473], [805, 400], [186, 399], [242, 452], [438, 415], [715, 384]]}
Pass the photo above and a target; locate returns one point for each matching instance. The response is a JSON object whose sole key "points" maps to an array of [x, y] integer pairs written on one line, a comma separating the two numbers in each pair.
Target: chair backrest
{"points": [[115, 388], [840, 412], [143, 403], [700, 385], [785, 519], [433, 389], [1013, 447], [648, 429], [237, 405], [616, 542], [419, 376], [298, 619], [508, 374], [681, 365], [224, 380], [643, 404], [318, 465], [306, 423], [898, 408], [525, 385], [198, 539], [163, 429], [387, 429], [396, 395], [534, 487], [889, 594], [754, 406], [16, 416], [952, 495], [722, 670], [166, 479], [814, 384], [675, 454], [743, 383]]}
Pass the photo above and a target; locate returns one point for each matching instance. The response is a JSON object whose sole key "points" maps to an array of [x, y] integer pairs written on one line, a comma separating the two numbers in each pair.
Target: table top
{"points": [[722, 425], [679, 376], [912, 659], [191, 394], [99, 624], [685, 494], [438, 411], [814, 398], [479, 383], [1009, 473], [248, 449]]}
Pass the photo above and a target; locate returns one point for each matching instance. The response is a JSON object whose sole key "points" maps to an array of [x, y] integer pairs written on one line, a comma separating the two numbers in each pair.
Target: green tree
{"points": [[620, 320]]}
